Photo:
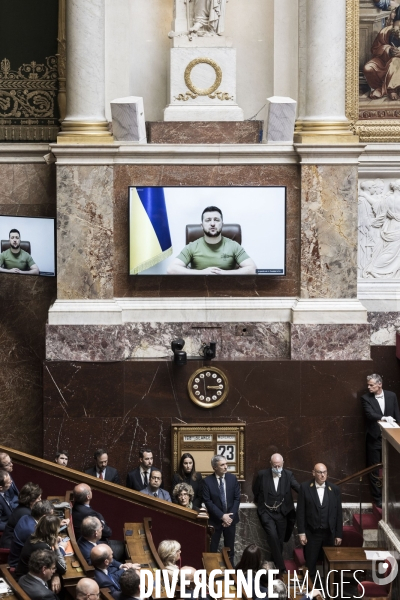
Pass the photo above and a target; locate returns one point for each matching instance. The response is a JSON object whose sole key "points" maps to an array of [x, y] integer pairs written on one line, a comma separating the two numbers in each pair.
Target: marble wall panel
{"points": [[328, 225], [153, 340], [85, 232], [383, 327], [204, 132], [330, 342], [307, 410], [25, 189], [205, 175]]}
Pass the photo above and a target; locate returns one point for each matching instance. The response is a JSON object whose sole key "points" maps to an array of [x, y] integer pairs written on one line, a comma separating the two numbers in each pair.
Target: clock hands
{"points": [[215, 387]]}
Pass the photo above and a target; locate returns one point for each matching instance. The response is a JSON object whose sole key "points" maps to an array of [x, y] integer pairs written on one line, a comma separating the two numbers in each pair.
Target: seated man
{"points": [[81, 509], [30, 494], [61, 458], [16, 260], [212, 254], [105, 573], [86, 589], [91, 532], [25, 527], [130, 586], [7, 465], [101, 470], [154, 487], [42, 566], [6, 508], [138, 478]]}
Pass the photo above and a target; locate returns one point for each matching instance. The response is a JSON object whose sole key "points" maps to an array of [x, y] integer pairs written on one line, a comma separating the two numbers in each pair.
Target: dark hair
{"points": [[29, 492], [143, 450], [251, 559], [181, 472], [3, 475], [43, 507], [47, 530], [59, 452], [14, 231], [99, 452], [41, 558], [129, 583], [212, 209]]}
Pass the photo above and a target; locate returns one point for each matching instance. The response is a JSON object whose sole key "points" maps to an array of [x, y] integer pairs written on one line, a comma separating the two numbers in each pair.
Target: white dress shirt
{"points": [[381, 401], [321, 491]]}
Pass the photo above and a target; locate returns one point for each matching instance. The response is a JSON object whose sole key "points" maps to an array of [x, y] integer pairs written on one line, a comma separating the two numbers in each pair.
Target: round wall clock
{"points": [[208, 387]]}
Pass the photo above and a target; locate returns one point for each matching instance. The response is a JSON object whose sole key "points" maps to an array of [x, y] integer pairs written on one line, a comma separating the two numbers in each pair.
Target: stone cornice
{"points": [[23, 153]]}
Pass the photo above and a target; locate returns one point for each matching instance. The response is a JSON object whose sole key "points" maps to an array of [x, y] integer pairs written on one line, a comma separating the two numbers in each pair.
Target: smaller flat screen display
{"points": [[28, 246], [207, 231]]}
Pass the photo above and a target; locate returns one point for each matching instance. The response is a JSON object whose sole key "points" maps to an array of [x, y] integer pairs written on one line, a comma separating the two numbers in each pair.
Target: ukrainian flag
{"points": [[150, 240]]}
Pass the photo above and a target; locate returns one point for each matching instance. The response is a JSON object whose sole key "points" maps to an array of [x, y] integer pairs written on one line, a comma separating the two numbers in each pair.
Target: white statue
{"points": [[200, 18], [371, 206], [385, 260]]}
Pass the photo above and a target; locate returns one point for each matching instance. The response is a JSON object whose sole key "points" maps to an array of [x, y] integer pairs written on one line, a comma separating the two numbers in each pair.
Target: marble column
{"points": [[322, 73], [85, 121]]}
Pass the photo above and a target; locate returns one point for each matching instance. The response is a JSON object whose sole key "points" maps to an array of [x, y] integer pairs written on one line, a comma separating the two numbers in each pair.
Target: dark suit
{"points": [[373, 414], [134, 479], [23, 529], [321, 523], [6, 510], [104, 580], [86, 547], [111, 474], [6, 538], [197, 485], [80, 511], [278, 524], [212, 500], [12, 494], [161, 494], [35, 589]]}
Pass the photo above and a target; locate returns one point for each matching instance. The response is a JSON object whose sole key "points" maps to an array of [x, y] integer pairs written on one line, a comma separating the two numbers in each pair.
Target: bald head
{"points": [[82, 493], [101, 556], [320, 472], [86, 586], [276, 460]]}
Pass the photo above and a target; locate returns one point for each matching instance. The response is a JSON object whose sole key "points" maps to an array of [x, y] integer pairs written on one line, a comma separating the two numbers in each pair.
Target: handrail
{"points": [[360, 473], [107, 487], [14, 585], [149, 538], [87, 569]]}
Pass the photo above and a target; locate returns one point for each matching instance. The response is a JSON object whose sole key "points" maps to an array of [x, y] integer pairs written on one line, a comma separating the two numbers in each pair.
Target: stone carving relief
{"points": [[204, 18], [379, 229]]}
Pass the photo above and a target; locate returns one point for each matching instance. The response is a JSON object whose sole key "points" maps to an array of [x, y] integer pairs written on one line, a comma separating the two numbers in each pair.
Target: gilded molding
{"points": [[383, 130], [62, 60], [203, 91]]}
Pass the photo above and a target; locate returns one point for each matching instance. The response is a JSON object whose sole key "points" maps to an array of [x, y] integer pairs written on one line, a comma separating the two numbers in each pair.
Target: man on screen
{"points": [[16, 260], [212, 254]]}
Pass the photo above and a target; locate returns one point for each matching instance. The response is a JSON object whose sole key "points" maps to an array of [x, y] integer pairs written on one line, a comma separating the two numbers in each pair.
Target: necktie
{"points": [[101, 475], [222, 494], [146, 478], [155, 494], [115, 582]]}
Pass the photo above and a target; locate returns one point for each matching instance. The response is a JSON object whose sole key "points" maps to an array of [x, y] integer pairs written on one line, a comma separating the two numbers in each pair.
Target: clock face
{"points": [[208, 387]]}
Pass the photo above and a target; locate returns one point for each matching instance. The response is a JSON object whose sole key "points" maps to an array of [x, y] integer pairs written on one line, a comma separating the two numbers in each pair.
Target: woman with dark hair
{"points": [[187, 474], [30, 494], [45, 537]]}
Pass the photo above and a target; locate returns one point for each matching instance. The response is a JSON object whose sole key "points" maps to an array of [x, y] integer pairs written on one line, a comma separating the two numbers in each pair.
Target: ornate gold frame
{"points": [[204, 404], [385, 130]]}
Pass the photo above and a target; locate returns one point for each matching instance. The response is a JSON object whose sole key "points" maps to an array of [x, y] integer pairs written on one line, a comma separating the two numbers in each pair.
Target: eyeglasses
{"points": [[320, 472]]}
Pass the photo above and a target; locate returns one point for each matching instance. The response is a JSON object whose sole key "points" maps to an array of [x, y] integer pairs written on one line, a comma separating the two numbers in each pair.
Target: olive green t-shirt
{"points": [[226, 255], [22, 261]]}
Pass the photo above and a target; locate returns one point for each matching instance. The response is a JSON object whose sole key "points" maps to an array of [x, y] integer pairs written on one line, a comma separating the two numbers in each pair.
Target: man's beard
{"points": [[16, 247], [215, 233]]}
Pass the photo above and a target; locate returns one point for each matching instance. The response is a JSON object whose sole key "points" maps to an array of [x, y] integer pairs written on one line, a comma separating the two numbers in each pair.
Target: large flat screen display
{"points": [[207, 231], [28, 246]]}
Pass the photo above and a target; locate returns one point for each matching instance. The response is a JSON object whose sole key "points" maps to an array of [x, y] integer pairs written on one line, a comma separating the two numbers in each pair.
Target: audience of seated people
{"points": [[12, 492], [187, 474], [25, 527], [38, 581], [154, 488], [138, 479], [106, 573], [183, 495], [101, 468], [30, 494], [61, 458], [81, 509], [45, 537]]}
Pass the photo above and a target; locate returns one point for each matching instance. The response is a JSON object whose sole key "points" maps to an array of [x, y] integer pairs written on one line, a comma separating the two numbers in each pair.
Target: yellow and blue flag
{"points": [[150, 239]]}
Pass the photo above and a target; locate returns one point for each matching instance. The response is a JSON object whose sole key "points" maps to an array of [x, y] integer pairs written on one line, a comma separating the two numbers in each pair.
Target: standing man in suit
{"points": [[319, 516], [154, 488], [221, 495], [6, 508], [378, 405], [106, 574], [139, 478], [101, 469], [42, 567], [7, 465], [273, 495]]}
